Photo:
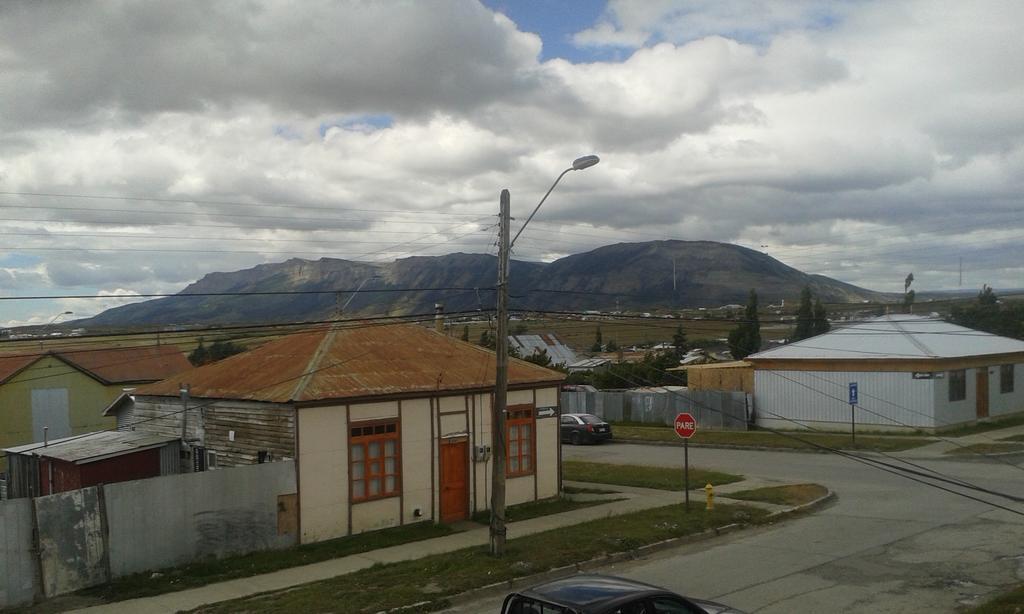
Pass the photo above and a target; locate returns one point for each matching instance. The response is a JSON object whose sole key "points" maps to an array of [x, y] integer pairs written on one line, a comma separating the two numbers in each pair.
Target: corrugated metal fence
{"points": [[89, 536], [714, 409]]}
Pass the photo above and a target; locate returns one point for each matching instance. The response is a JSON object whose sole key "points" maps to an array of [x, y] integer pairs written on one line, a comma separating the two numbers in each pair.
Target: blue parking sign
{"points": [[853, 393]]}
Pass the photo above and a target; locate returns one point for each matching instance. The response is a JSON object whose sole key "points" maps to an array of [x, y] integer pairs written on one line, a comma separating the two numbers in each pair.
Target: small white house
{"points": [[902, 371]]}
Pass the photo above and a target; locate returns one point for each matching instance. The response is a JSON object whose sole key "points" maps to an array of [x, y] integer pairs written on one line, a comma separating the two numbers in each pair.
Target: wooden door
{"points": [[454, 480], [981, 392]]}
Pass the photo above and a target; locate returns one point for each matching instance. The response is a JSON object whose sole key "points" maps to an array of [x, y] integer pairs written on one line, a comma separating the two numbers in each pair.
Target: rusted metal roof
{"points": [[355, 362], [93, 446], [116, 365]]}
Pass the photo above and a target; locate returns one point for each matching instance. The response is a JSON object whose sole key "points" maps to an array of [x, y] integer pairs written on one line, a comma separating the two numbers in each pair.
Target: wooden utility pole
{"points": [[497, 532]]}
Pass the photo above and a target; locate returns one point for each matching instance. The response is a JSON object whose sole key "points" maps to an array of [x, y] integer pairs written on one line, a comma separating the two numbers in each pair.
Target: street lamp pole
{"points": [[499, 410]]}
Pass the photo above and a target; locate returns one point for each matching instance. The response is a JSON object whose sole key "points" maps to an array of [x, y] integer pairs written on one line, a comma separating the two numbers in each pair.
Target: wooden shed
{"points": [[736, 375]]}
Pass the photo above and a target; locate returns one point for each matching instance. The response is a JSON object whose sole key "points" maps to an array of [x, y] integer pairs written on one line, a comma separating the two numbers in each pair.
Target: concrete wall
{"points": [[323, 472], [175, 519], [72, 548], [1001, 403], [17, 564]]}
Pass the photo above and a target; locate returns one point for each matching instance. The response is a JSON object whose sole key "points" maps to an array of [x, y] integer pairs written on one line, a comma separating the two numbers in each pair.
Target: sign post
{"points": [[685, 426], [853, 419]]}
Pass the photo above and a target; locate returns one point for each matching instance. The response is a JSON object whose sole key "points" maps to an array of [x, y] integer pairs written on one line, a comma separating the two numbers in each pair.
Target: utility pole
{"points": [[497, 531]]}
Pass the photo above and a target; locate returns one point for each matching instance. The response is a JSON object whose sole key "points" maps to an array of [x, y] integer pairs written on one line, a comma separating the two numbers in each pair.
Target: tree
{"points": [[219, 350], [598, 346], [820, 324], [804, 317], [989, 314], [465, 333], [199, 356], [487, 340], [745, 339], [612, 346], [908, 301], [679, 342]]}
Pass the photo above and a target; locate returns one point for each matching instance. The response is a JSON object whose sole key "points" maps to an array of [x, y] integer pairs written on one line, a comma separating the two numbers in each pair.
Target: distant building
{"points": [[527, 345], [901, 372]]}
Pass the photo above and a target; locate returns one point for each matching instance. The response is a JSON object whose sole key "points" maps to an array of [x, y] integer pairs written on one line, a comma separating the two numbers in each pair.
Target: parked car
{"points": [[598, 594], [584, 428]]}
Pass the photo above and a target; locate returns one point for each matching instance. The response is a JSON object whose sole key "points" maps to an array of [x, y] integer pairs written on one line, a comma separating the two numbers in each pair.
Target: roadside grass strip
{"points": [[583, 490], [425, 585], [1013, 438], [765, 439], [661, 478], [212, 571], [1011, 602], [983, 427], [791, 494], [535, 509], [986, 448]]}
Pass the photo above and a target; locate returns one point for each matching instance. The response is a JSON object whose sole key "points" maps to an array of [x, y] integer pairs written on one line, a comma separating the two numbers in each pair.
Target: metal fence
{"points": [[715, 409], [89, 536]]}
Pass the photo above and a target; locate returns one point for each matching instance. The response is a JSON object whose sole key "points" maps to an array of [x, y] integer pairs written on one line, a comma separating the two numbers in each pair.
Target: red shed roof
{"points": [[122, 365], [355, 362]]}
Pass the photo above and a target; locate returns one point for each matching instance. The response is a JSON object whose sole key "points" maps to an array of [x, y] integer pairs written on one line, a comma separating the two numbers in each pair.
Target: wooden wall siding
{"points": [[257, 426], [734, 378]]}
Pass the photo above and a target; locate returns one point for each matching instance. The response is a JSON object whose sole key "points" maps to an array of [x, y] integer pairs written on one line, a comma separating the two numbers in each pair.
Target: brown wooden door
{"points": [[454, 480], [981, 392]]}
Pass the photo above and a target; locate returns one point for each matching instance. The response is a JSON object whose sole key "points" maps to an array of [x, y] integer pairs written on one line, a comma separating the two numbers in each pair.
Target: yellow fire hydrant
{"points": [[709, 490]]}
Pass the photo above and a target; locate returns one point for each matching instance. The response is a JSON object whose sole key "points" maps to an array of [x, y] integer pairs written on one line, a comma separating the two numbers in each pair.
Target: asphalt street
{"points": [[887, 544]]}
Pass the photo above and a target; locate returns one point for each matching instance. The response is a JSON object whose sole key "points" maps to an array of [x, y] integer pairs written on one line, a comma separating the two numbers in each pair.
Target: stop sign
{"points": [[685, 425]]}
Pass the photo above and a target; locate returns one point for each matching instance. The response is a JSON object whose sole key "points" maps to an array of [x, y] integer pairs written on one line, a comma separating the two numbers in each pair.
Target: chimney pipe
{"points": [[439, 317]]}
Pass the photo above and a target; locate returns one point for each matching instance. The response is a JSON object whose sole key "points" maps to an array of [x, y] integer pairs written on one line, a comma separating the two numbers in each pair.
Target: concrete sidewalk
{"points": [[633, 499]]}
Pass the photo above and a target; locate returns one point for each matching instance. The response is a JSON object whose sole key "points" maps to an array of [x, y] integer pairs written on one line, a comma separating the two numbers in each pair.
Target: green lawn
{"points": [[791, 494], [211, 571], [534, 509], [1011, 602], [663, 478], [800, 440], [429, 581]]}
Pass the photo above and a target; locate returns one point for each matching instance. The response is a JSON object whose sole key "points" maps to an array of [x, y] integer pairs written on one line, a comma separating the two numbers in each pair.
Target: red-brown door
{"points": [[982, 392], [454, 480]]}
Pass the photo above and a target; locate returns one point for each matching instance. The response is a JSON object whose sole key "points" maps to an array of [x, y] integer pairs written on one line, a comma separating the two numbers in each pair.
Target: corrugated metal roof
{"points": [[896, 337], [93, 446], [355, 362], [528, 344], [116, 365]]}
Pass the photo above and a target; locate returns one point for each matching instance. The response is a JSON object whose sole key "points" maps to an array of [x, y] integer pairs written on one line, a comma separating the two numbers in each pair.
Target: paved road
{"points": [[887, 544]]}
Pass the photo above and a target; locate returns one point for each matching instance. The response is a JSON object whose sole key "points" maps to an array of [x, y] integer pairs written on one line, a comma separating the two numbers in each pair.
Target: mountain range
{"points": [[626, 276]]}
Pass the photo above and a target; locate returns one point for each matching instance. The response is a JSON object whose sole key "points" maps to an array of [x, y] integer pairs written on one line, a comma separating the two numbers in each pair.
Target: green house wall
{"points": [[87, 399]]}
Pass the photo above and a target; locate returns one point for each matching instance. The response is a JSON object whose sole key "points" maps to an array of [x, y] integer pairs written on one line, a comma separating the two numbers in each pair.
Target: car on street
{"points": [[584, 428], [600, 594]]}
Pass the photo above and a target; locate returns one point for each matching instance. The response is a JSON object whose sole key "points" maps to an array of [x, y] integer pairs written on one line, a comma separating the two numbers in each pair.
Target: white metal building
{"points": [[910, 372]]}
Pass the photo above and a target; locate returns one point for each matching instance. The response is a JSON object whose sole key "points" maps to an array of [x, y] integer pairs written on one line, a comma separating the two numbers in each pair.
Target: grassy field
{"points": [[1011, 602], [535, 509], [663, 478], [209, 572], [764, 439], [791, 494], [434, 578]]}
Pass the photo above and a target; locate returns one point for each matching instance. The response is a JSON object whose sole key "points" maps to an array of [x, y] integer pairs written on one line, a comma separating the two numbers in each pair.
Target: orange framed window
{"points": [[520, 435], [374, 467]]}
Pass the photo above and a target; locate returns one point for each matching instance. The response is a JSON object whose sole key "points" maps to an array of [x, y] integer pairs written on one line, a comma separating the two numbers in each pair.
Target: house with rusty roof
{"points": [[894, 372], [57, 393], [390, 425]]}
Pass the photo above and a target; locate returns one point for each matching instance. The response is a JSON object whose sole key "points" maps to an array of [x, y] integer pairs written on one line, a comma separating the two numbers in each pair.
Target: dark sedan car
{"points": [[597, 594], [584, 428]]}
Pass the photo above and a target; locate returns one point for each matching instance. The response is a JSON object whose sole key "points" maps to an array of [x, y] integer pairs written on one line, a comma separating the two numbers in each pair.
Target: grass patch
{"points": [[1013, 438], [791, 494], [219, 570], [663, 478], [535, 509], [766, 439], [434, 578], [982, 427], [1011, 602], [583, 490], [986, 448]]}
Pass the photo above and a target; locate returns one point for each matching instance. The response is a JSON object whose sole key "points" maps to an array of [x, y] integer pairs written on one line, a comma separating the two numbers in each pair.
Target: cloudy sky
{"points": [[144, 144]]}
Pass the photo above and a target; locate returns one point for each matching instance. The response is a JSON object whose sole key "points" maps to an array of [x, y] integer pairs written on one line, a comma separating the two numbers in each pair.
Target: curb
{"points": [[615, 557], [729, 446]]}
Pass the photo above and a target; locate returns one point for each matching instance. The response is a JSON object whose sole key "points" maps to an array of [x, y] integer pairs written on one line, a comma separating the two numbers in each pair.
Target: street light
{"points": [[497, 528], [63, 313]]}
